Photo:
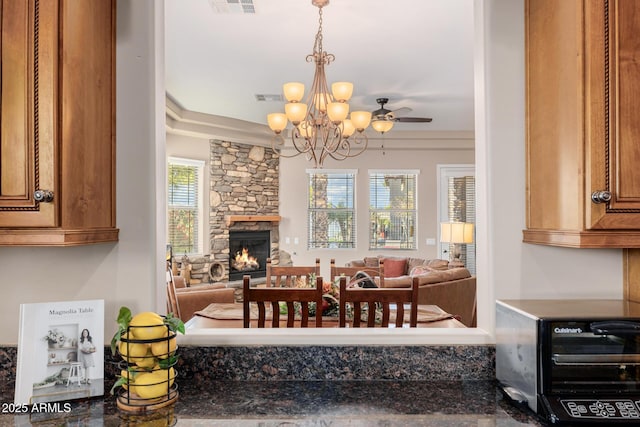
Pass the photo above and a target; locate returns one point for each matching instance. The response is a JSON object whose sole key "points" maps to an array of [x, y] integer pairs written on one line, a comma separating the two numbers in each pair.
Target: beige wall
{"points": [[124, 273], [508, 268], [421, 155]]}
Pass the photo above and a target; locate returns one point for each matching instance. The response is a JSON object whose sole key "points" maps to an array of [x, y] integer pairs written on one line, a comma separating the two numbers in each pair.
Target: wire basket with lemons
{"points": [[148, 347]]}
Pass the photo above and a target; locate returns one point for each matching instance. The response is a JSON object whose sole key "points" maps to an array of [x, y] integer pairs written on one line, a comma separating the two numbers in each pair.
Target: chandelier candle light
{"points": [[322, 125]]}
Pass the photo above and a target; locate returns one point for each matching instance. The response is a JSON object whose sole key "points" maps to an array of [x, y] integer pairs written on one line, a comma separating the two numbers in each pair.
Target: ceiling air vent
{"points": [[232, 6], [268, 98]]}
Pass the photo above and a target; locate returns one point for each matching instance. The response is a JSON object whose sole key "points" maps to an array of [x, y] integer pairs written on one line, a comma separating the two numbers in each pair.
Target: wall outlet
{"points": [[431, 241], [295, 241], [287, 240]]}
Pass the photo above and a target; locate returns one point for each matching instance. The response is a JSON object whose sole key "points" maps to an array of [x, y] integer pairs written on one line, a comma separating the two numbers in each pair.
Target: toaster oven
{"points": [[571, 361]]}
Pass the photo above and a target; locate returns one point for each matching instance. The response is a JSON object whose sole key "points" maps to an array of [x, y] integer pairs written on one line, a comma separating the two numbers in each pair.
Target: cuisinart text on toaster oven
{"points": [[572, 361]]}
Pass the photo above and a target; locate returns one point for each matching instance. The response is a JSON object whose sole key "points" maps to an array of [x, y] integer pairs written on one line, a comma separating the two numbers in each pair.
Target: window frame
{"points": [[410, 244], [199, 166], [312, 244]]}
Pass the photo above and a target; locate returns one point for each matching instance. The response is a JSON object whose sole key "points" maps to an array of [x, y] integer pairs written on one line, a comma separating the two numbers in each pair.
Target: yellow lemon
{"points": [[130, 376], [147, 326], [159, 348], [147, 361], [163, 375], [126, 374], [132, 351], [150, 386]]}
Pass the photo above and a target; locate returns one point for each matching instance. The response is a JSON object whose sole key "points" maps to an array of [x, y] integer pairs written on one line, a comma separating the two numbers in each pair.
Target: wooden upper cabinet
{"points": [[57, 122], [583, 127]]}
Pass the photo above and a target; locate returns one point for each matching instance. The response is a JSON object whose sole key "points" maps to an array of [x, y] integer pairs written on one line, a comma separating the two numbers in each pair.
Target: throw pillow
{"points": [[421, 269], [371, 261], [362, 280], [394, 267], [438, 264]]}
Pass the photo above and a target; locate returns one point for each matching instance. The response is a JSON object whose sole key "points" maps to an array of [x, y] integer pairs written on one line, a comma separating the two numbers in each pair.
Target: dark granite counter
{"points": [[306, 403], [443, 386]]}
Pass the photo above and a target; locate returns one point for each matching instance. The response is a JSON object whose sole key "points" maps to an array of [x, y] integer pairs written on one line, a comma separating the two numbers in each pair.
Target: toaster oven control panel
{"points": [[562, 409], [597, 408]]}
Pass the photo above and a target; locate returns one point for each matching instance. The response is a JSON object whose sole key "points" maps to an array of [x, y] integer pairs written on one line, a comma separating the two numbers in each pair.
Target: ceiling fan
{"points": [[382, 114]]}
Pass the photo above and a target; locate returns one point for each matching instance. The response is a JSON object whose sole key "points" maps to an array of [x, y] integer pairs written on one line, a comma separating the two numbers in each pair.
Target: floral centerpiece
{"points": [[330, 300], [330, 297], [55, 338]]}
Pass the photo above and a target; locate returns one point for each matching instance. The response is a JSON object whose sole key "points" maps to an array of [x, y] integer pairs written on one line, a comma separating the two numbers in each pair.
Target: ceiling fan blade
{"points": [[413, 119], [402, 111]]}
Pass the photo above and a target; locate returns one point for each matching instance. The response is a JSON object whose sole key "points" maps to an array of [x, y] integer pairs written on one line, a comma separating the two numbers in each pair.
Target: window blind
{"points": [[183, 199], [331, 209], [392, 209]]}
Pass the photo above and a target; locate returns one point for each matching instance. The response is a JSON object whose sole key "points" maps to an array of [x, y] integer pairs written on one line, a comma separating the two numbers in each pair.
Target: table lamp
{"points": [[456, 233]]}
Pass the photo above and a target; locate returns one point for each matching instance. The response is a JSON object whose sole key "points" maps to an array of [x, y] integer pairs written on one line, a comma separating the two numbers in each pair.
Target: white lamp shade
{"points": [[293, 91], [342, 91], [277, 121], [382, 126], [347, 128], [338, 111], [360, 119], [456, 232], [295, 111]]}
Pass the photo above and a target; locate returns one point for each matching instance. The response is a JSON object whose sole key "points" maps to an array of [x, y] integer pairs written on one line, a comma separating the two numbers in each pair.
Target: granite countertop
{"points": [[304, 403]]}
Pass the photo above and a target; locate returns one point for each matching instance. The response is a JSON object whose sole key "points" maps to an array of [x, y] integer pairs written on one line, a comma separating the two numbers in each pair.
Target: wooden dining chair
{"points": [[286, 276], [172, 298], [349, 272], [378, 297], [271, 297]]}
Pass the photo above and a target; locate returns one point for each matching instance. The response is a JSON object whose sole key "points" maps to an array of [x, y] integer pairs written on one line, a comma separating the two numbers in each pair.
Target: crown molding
{"points": [[181, 121]]}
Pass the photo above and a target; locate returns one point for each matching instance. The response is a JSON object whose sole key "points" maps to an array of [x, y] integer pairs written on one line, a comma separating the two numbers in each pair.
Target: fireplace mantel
{"points": [[252, 218]]}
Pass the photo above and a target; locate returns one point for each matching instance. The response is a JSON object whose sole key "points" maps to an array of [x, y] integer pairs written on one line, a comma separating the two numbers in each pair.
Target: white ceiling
{"points": [[417, 53]]}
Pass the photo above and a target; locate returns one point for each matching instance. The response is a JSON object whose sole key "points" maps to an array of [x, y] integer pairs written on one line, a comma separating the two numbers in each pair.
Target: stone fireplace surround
{"points": [[243, 196]]}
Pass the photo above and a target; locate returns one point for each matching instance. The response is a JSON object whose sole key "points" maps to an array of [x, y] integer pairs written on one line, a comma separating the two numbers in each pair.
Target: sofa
{"points": [[184, 301], [452, 289]]}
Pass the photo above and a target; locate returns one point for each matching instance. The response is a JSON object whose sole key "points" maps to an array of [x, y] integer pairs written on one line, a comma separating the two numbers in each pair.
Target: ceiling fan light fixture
{"points": [[382, 126]]}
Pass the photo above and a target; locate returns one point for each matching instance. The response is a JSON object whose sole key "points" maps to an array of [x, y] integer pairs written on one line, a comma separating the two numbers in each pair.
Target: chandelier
{"points": [[322, 125]]}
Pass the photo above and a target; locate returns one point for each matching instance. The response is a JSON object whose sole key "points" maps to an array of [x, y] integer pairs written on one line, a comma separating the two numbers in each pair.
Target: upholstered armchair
{"points": [[184, 301]]}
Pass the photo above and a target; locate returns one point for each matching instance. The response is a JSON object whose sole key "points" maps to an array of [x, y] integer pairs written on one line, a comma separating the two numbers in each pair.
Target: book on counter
{"points": [[60, 351]]}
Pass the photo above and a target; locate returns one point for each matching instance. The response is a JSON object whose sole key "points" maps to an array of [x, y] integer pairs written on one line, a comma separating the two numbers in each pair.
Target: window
{"points": [[392, 209], [184, 199], [457, 203], [331, 209]]}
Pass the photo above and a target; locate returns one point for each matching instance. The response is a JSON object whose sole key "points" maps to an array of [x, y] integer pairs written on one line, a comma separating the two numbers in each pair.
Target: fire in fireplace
{"points": [[244, 261], [248, 253]]}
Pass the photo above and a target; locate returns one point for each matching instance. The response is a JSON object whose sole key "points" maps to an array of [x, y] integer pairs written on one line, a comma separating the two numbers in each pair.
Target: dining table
{"points": [[230, 315]]}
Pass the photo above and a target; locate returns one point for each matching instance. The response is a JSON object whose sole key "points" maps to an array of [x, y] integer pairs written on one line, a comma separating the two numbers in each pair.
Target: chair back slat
{"points": [[172, 297], [378, 297], [349, 272], [272, 296], [286, 276]]}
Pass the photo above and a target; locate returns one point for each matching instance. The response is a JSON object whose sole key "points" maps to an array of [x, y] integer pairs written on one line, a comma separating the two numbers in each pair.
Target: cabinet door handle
{"points": [[600, 196], [43, 196]]}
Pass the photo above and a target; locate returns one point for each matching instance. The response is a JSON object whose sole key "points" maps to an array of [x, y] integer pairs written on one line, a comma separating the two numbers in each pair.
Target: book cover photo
{"points": [[60, 351]]}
